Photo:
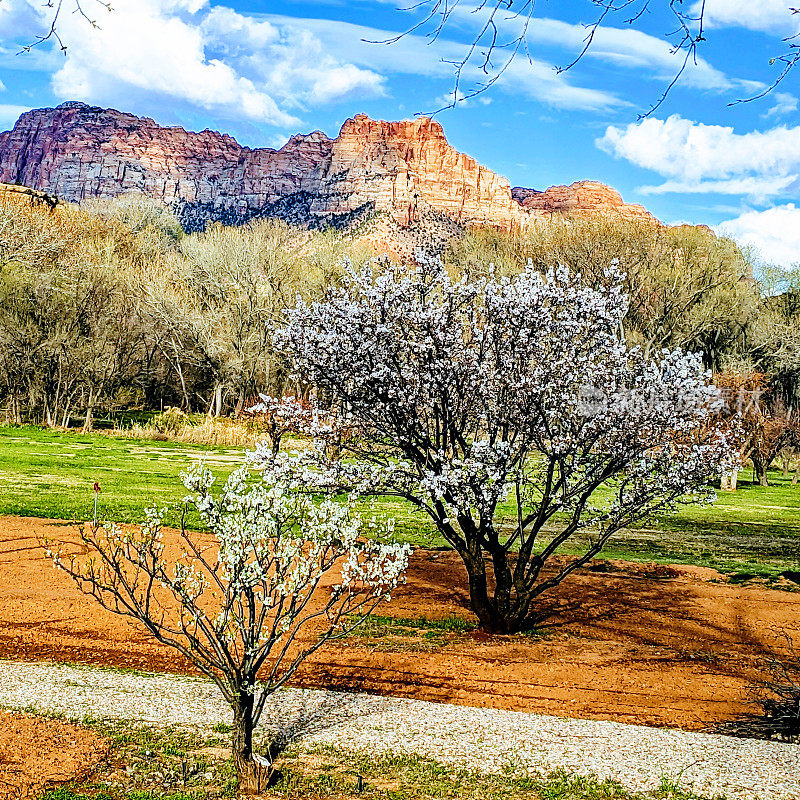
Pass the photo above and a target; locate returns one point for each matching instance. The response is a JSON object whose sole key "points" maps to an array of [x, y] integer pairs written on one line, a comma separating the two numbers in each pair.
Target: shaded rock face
{"points": [[405, 169], [76, 152]]}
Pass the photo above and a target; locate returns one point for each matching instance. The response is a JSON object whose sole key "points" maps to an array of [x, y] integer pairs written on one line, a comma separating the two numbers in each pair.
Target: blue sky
{"points": [[264, 70]]}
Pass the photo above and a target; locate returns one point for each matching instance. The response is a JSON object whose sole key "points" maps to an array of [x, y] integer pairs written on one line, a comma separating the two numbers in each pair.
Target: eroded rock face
{"points": [[582, 197], [405, 169]]}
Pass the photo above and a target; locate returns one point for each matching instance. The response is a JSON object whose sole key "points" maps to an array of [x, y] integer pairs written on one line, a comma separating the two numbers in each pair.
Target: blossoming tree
{"points": [[282, 415], [301, 417], [244, 604], [512, 412]]}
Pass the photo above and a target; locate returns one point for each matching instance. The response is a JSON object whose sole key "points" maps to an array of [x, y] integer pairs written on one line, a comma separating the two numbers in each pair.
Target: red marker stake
{"points": [[96, 492]]}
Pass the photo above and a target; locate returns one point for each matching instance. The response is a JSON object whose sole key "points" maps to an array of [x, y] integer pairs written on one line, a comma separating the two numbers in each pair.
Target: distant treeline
{"points": [[110, 306]]}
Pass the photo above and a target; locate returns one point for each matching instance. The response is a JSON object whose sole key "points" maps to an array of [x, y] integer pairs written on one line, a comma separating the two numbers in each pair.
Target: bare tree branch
{"points": [[57, 10], [502, 35]]}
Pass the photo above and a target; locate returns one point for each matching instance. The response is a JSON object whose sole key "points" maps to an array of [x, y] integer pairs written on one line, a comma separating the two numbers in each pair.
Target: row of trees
{"points": [[110, 306]]}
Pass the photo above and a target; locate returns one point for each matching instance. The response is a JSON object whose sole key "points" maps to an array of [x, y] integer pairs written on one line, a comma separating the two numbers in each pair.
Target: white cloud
{"points": [[158, 54], [417, 55], [773, 234], [632, 49], [287, 57], [756, 188], [9, 114], [187, 51], [627, 47], [277, 141], [446, 101], [784, 103], [695, 157], [769, 16]]}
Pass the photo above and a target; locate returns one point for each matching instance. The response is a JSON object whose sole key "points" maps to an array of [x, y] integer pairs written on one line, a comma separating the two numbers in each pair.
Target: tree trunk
{"points": [[729, 480], [760, 472], [187, 402], [240, 403], [252, 776], [16, 414], [497, 613], [796, 476], [89, 419], [217, 400], [47, 413]]}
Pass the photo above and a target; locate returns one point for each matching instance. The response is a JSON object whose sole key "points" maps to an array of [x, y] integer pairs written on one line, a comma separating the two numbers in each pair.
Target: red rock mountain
{"points": [[405, 169]]}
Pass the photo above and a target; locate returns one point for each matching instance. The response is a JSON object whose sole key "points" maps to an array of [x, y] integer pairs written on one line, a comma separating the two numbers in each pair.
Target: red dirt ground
{"points": [[665, 646], [38, 753]]}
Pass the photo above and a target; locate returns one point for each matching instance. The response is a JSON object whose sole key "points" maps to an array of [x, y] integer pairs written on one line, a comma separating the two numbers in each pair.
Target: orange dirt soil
{"points": [[664, 646], [38, 753]]}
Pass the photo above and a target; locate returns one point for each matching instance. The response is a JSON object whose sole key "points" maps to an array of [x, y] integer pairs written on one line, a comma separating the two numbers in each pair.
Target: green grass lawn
{"points": [[755, 531], [51, 474]]}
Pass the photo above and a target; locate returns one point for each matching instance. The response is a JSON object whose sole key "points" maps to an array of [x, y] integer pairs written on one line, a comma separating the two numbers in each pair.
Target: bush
{"points": [[173, 420]]}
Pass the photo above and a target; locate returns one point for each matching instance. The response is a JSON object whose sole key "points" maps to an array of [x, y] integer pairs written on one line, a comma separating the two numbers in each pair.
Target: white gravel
{"points": [[484, 739]]}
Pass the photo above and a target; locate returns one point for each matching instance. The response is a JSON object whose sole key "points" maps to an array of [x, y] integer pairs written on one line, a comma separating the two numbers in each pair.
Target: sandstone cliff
{"points": [[404, 169], [582, 197]]}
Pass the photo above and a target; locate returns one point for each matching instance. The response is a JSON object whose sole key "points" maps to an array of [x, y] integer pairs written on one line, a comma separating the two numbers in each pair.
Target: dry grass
{"points": [[211, 431]]}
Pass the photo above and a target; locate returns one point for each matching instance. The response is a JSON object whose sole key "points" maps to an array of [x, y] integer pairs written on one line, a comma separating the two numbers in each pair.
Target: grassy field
{"points": [[51, 474], [753, 532]]}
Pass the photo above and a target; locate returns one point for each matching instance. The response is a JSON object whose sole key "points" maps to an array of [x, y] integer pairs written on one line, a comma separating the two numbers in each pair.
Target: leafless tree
{"points": [[775, 696]]}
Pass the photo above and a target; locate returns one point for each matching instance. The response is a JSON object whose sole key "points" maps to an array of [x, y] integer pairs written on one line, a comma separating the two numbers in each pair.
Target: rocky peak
{"points": [[582, 198]]}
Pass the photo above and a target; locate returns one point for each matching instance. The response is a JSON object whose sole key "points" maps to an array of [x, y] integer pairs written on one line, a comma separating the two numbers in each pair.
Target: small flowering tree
{"points": [[245, 605], [302, 418], [282, 415], [512, 412]]}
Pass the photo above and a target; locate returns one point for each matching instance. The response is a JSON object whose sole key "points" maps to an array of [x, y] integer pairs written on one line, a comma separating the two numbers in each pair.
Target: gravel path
{"points": [[483, 739]]}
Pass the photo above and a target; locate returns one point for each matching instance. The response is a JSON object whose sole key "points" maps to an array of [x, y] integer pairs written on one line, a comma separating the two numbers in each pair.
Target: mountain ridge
{"points": [[406, 169]]}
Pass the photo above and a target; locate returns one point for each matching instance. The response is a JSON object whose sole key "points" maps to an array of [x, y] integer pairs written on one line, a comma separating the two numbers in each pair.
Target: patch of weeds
{"points": [[397, 625], [559, 784], [142, 761], [741, 577], [64, 793], [221, 727], [538, 634], [412, 633], [670, 789], [35, 711], [147, 762], [329, 772], [768, 575]]}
